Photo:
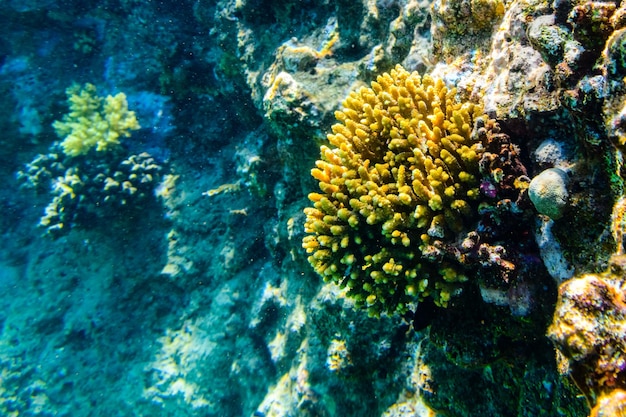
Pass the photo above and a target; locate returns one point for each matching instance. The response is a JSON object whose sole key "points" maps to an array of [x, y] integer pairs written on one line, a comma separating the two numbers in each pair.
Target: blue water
{"points": [[166, 277]]}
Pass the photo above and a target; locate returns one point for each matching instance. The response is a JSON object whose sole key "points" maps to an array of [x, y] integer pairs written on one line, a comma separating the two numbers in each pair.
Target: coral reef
{"points": [[589, 329], [93, 121], [215, 311], [402, 174]]}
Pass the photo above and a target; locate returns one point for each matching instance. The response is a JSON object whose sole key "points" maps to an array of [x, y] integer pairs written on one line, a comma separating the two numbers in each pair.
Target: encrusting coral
{"points": [[548, 192], [93, 121], [401, 176]]}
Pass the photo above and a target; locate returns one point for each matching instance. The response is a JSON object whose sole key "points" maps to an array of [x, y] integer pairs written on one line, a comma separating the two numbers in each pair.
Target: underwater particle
{"points": [[548, 192], [400, 177]]}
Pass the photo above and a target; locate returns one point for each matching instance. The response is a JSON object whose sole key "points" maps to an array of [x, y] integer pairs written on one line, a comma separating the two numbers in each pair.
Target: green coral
{"points": [[93, 121], [399, 182]]}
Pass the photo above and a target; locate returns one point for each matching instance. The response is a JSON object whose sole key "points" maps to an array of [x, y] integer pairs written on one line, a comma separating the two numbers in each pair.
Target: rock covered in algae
{"points": [[589, 330], [548, 192], [401, 174], [459, 25]]}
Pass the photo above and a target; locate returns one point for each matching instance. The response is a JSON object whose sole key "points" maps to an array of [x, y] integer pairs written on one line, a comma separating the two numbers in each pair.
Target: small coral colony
{"points": [[89, 174]]}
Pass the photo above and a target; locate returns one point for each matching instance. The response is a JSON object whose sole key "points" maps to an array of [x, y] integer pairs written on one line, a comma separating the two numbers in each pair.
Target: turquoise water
{"points": [[154, 266]]}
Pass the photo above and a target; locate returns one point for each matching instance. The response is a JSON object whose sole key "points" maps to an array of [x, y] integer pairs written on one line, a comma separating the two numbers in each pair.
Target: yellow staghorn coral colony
{"points": [[93, 121], [400, 179]]}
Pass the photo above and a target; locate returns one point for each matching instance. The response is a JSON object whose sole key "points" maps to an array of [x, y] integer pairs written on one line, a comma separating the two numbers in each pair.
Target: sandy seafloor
{"points": [[197, 299]]}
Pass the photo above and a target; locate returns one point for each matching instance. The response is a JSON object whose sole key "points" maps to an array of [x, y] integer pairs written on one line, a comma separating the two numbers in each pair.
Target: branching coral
{"points": [[84, 189], [401, 177], [94, 122], [86, 183]]}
